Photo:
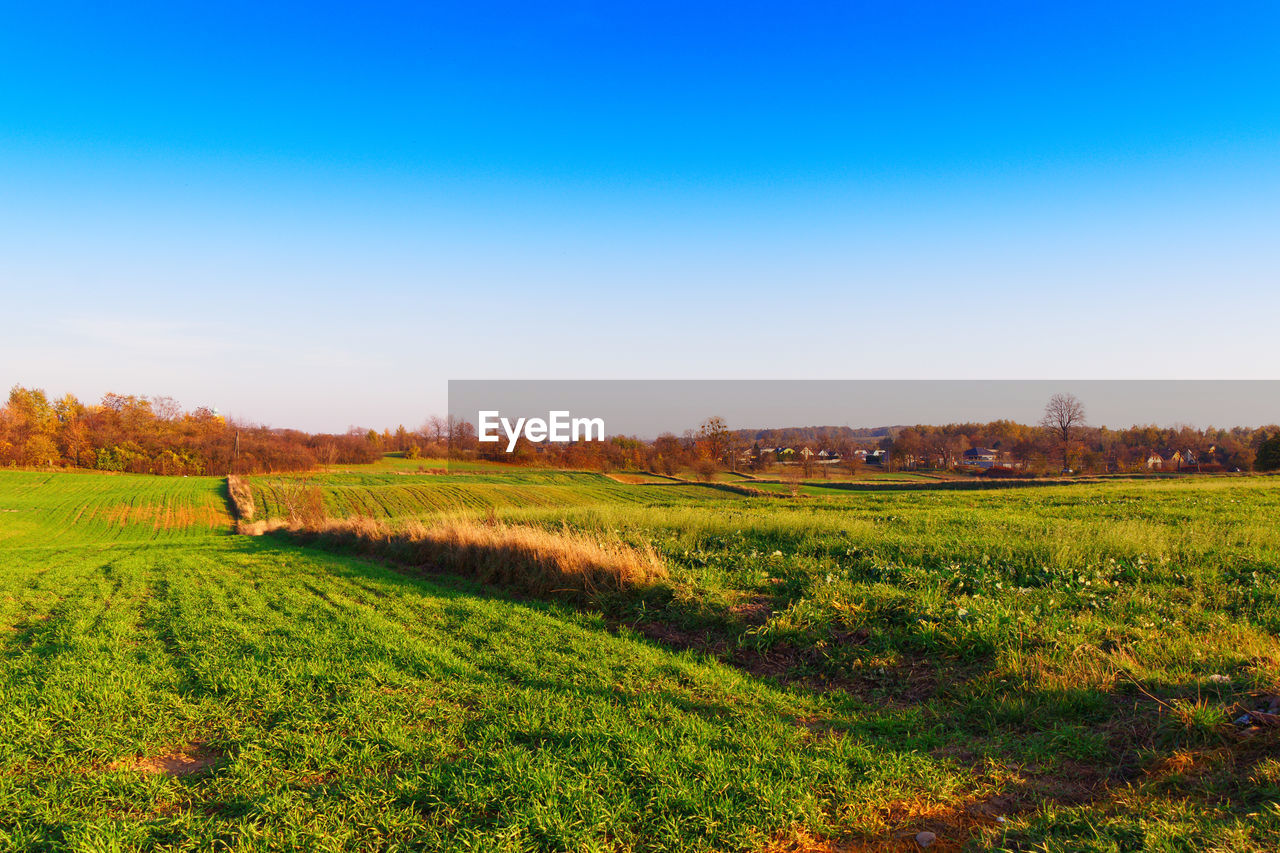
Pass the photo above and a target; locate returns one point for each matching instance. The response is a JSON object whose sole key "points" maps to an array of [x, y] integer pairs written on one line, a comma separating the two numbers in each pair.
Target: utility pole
{"points": [[235, 455]]}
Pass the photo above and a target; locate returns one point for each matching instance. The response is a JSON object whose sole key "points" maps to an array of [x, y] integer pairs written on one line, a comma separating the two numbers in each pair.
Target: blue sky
{"points": [[316, 215]]}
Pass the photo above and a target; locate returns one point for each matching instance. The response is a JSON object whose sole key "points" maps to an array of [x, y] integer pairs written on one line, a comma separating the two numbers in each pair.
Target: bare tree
{"points": [[166, 408], [715, 440], [328, 452], [791, 476], [436, 429], [302, 503], [1063, 418], [852, 461], [462, 436], [806, 461]]}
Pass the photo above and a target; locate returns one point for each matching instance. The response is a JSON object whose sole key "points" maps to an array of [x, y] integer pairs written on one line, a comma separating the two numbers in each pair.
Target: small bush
{"points": [[1000, 472], [705, 470]]}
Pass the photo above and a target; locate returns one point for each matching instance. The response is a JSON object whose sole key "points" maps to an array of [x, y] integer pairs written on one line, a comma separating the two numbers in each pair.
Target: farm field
{"points": [[1024, 669], [40, 508], [394, 496]]}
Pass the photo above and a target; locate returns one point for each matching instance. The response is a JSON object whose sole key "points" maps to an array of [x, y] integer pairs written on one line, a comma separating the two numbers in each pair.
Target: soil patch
{"points": [[195, 757]]}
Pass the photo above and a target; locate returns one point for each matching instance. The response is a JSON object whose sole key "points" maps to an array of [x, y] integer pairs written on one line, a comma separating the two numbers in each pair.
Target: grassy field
{"points": [[390, 496], [1047, 668], [40, 508]]}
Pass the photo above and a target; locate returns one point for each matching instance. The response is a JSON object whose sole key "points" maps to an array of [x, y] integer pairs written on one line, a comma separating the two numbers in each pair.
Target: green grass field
{"points": [[1046, 668], [392, 496]]}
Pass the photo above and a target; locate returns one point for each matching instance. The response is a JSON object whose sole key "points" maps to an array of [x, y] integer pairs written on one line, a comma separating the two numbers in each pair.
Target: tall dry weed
{"points": [[241, 497], [528, 559]]}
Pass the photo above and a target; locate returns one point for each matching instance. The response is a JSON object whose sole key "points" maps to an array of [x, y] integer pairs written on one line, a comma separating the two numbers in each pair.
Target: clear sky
{"points": [[314, 215]]}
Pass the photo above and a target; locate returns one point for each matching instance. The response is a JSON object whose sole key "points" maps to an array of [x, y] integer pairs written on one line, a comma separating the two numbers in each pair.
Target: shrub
{"points": [[705, 469], [1000, 472]]}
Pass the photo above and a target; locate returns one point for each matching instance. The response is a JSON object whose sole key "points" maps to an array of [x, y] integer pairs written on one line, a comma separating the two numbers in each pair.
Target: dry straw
{"points": [[531, 560], [241, 497]]}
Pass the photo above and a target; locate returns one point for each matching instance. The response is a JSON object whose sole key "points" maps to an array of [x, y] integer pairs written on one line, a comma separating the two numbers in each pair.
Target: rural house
{"points": [[981, 457]]}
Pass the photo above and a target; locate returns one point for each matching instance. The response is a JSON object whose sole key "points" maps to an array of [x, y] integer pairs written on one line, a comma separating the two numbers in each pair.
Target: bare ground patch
{"points": [[187, 760], [950, 828], [753, 610]]}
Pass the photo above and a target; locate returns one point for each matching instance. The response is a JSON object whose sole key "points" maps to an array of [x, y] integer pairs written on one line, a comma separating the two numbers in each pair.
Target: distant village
{"points": [[975, 458], [979, 457]]}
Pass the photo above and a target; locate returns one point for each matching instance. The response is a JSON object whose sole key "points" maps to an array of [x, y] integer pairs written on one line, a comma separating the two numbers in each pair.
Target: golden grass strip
{"points": [[523, 558], [241, 497]]}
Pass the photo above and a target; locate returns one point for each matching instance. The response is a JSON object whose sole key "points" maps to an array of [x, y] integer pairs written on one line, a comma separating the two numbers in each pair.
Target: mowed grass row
{"points": [[336, 705]]}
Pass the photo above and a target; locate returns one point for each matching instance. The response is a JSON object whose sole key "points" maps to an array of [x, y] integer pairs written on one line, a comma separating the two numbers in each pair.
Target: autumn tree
{"points": [[436, 429], [845, 448], [149, 436], [1234, 454], [1063, 418], [888, 447], [806, 458], [907, 447], [462, 436], [39, 451], [714, 441], [668, 454], [75, 443], [791, 476]]}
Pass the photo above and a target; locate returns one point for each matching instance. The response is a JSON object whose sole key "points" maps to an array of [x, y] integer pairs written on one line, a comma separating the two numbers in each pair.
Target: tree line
{"points": [[154, 435], [1062, 440]]}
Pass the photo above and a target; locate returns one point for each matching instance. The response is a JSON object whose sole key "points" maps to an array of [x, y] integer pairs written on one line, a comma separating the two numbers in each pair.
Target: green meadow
{"points": [[391, 496], [1047, 668]]}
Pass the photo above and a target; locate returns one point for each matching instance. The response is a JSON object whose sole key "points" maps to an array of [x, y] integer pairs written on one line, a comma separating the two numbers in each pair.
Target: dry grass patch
{"points": [[531, 560], [160, 515], [241, 497], [949, 828]]}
